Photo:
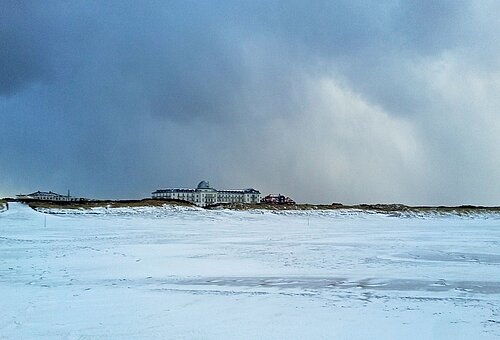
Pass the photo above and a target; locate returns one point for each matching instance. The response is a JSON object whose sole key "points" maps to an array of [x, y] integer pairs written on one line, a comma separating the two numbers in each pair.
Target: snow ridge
{"points": [[167, 210]]}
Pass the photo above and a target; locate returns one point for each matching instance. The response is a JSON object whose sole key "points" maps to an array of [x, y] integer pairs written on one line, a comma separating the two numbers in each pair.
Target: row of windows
{"points": [[55, 198], [172, 195]]}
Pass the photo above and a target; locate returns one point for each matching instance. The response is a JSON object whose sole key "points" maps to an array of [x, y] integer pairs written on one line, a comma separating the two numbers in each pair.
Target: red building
{"points": [[277, 199]]}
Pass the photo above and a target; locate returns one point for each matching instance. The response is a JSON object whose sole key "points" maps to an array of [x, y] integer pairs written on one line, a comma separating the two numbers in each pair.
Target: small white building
{"points": [[49, 196], [204, 195]]}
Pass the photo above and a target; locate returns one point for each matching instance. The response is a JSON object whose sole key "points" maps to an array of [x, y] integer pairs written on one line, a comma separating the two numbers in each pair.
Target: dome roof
{"points": [[203, 185]]}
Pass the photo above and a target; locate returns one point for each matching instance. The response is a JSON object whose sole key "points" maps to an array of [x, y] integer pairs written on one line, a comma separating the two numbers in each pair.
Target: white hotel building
{"points": [[204, 195], [49, 196]]}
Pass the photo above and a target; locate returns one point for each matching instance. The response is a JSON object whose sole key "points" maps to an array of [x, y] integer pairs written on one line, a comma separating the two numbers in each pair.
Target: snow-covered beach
{"points": [[178, 272]]}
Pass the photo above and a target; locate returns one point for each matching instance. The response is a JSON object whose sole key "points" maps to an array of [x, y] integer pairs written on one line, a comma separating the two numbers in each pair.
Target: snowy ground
{"points": [[196, 274]]}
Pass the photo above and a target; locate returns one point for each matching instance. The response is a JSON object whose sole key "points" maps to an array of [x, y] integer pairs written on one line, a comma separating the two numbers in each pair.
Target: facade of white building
{"points": [[204, 195], [49, 196]]}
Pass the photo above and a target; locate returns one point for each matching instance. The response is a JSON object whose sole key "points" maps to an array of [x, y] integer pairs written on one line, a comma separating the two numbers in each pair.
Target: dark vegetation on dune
{"points": [[390, 209], [87, 204], [375, 208]]}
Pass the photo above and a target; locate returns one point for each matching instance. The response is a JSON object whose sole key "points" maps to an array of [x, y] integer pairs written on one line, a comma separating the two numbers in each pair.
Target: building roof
{"points": [[176, 190], [251, 191], [44, 193], [239, 191]]}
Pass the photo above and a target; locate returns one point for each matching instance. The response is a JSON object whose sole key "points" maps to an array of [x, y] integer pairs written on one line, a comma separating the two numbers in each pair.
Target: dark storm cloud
{"points": [[352, 100], [20, 59]]}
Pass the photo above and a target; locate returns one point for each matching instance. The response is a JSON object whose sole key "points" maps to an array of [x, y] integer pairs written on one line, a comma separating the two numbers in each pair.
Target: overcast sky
{"points": [[325, 101]]}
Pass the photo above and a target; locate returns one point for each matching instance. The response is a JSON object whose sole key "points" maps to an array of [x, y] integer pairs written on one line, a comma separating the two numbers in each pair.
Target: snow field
{"points": [[197, 274]]}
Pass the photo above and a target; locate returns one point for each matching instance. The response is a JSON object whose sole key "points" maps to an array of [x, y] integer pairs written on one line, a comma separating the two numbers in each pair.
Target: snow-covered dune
{"points": [[176, 272]]}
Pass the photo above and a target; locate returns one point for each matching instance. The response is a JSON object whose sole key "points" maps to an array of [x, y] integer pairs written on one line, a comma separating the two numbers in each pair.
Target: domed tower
{"points": [[204, 185]]}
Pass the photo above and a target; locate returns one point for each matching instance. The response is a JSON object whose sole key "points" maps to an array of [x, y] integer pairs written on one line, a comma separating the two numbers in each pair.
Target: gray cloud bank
{"points": [[350, 101]]}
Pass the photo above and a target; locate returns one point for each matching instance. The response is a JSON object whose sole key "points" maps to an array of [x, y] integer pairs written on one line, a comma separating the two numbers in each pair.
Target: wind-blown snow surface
{"points": [[191, 273]]}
